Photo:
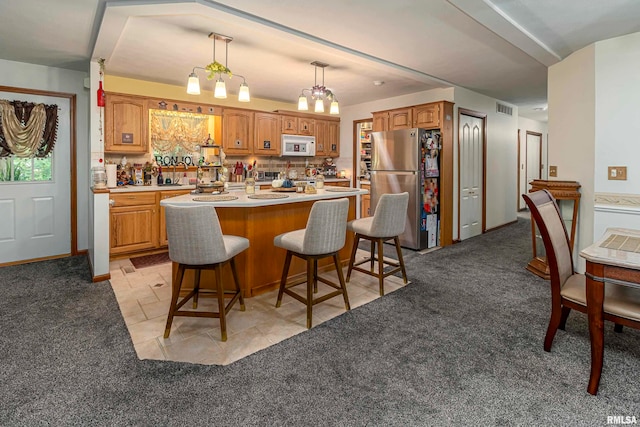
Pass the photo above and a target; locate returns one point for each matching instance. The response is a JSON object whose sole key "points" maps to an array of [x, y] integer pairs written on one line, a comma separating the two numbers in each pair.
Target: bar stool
{"points": [[323, 237], [387, 222], [196, 242]]}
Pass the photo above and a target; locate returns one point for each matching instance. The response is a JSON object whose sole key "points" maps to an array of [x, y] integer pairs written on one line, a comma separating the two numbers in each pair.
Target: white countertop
{"points": [[623, 250], [243, 201], [233, 186]]}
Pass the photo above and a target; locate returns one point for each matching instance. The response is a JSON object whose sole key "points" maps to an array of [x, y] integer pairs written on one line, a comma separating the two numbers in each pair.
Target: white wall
{"points": [[617, 91], [571, 145], [29, 76]]}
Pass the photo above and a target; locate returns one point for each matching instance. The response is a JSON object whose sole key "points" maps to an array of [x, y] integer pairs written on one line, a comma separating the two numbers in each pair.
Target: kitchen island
{"points": [[260, 220]]}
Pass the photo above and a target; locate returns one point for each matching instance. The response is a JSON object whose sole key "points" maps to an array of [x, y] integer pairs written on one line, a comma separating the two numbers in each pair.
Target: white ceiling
{"points": [[500, 48]]}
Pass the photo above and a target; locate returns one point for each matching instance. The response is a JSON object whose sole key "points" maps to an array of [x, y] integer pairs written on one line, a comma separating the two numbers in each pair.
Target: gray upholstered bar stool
{"points": [[323, 237], [387, 222], [196, 242]]}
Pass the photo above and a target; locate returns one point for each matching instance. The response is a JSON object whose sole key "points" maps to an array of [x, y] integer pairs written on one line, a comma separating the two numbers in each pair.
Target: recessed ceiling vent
{"points": [[504, 109]]}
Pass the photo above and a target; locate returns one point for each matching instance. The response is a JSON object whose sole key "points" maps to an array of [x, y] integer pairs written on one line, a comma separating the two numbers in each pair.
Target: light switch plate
{"points": [[617, 173], [553, 171]]}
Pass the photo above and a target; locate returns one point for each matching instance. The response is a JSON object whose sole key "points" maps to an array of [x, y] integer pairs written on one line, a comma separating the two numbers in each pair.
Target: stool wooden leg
{"points": [[283, 279], [372, 252], [221, 308], [196, 288], [336, 262], [400, 259], [315, 275], [310, 284], [381, 266], [354, 250], [175, 292], [237, 282]]}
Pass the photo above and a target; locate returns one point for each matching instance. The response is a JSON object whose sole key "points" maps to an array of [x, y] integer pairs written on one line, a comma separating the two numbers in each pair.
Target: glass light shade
{"points": [[303, 105], [334, 109], [243, 93], [221, 89], [319, 108], [193, 87]]}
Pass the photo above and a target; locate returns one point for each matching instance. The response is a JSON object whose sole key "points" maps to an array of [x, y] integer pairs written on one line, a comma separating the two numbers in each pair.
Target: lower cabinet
{"points": [[133, 222], [138, 222], [365, 202]]}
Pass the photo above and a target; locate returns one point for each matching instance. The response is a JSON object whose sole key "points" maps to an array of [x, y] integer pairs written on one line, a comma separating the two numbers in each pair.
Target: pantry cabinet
{"points": [[126, 124]]}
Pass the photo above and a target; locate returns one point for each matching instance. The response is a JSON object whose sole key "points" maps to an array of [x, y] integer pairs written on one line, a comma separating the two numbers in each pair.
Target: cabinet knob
{"points": [[112, 202]]}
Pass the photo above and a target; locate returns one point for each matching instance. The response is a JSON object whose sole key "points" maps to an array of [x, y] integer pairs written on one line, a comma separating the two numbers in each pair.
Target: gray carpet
{"points": [[460, 345]]}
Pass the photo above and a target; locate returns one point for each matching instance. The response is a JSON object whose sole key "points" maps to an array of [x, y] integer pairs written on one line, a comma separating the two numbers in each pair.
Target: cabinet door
{"points": [[322, 134], [289, 125], [400, 119], [237, 131], [380, 121], [267, 134], [125, 124], [306, 126], [426, 116], [365, 206], [133, 228], [333, 139]]}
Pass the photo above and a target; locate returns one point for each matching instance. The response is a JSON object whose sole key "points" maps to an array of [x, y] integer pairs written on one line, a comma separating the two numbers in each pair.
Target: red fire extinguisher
{"points": [[100, 95]]}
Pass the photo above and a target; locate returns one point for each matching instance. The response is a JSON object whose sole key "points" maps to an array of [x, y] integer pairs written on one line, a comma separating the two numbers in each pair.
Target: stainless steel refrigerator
{"points": [[407, 160]]}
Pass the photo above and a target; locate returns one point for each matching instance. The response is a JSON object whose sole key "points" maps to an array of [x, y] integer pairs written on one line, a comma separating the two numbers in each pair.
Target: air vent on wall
{"points": [[504, 109]]}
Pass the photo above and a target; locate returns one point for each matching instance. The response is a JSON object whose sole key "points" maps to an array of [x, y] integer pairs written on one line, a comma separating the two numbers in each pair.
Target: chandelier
{"points": [[217, 70], [319, 93]]}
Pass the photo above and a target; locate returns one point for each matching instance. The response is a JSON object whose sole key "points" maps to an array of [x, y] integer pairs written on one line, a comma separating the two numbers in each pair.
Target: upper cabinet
{"points": [[294, 125], [425, 116], [267, 134], [126, 123], [237, 131], [327, 138]]}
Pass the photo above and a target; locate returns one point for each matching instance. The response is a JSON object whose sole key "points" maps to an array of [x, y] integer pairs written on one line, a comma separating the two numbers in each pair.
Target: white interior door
{"points": [[534, 145], [36, 216], [471, 136]]}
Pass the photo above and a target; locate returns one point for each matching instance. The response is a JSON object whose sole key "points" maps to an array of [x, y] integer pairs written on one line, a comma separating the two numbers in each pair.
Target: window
{"points": [[14, 169]]}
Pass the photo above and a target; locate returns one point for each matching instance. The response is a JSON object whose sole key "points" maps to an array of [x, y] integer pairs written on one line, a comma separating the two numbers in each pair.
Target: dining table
{"points": [[614, 258]]}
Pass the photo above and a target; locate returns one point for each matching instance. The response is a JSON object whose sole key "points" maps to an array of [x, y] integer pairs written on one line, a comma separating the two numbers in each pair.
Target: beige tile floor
{"points": [[144, 295]]}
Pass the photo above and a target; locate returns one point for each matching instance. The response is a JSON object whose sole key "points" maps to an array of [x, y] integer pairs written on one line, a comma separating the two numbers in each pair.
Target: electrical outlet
{"points": [[553, 171], [617, 173]]}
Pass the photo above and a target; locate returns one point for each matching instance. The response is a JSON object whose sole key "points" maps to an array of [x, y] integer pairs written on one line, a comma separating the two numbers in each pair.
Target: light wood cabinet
{"points": [[327, 138], [426, 116], [401, 118], [126, 124], [380, 121], [294, 125], [267, 134], [162, 232], [237, 131], [133, 222], [365, 202]]}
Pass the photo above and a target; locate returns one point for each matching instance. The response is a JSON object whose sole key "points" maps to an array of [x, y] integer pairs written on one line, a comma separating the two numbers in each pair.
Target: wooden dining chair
{"points": [[568, 288]]}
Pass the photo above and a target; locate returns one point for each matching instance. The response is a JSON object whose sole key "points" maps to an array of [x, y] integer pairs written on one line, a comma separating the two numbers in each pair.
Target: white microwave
{"points": [[298, 145]]}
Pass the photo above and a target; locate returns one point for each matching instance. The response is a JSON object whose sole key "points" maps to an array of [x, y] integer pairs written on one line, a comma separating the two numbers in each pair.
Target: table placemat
{"points": [[268, 196], [339, 189], [284, 189], [214, 198], [622, 243]]}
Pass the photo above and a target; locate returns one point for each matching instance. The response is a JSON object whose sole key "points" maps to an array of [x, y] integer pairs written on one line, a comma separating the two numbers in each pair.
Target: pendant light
{"points": [[216, 70], [319, 93]]}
